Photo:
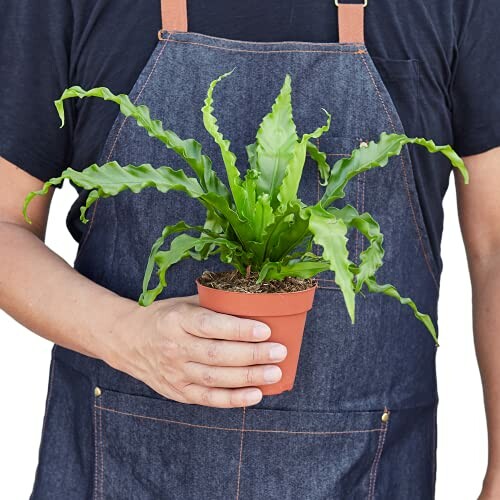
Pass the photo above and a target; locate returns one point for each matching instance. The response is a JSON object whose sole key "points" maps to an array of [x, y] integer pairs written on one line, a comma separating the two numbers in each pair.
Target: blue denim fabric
{"points": [[325, 439]]}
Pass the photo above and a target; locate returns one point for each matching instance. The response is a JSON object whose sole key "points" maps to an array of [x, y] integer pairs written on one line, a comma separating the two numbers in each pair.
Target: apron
{"points": [[360, 422]]}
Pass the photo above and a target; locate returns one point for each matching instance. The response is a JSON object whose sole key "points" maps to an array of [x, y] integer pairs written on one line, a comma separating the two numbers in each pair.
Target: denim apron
{"points": [[360, 422]]}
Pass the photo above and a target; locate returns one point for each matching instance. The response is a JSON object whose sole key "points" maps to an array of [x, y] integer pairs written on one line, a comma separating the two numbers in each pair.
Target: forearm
{"points": [[44, 293], [485, 273]]}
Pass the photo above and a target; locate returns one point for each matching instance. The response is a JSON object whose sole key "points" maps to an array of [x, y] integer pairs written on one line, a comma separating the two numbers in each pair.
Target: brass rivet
{"points": [[363, 144], [385, 417], [97, 391]]}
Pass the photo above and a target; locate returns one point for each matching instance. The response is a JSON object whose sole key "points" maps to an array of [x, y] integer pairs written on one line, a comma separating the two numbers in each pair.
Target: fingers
{"points": [[217, 376], [222, 398], [205, 323], [230, 353]]}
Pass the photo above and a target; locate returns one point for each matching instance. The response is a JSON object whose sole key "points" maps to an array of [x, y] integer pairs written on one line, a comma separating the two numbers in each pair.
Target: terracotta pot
{"points": [[284, 313]]}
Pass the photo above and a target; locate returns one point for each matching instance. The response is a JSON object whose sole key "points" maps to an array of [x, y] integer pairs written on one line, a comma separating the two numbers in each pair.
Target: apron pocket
{"points": [[151, 448]]}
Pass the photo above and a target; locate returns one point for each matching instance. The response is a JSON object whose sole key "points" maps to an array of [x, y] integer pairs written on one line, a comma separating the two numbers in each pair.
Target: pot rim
{"points": [[298, 292]]}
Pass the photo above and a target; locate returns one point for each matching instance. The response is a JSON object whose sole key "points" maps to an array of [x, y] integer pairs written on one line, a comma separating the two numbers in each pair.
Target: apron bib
{"points": [[360, 422]]}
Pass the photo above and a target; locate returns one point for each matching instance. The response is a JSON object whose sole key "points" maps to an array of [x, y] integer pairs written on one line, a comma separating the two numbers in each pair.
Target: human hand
{"points": [[194, 355]]}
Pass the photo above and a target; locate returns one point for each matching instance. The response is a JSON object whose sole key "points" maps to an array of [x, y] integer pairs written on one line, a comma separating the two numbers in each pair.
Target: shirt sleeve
{"points": [[35, 41], [475, 89]]}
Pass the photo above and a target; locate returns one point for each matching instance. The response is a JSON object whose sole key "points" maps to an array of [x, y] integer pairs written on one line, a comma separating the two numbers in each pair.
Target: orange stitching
{"points": [[338, 154], [241, 454], [95, 452], [237, 429], [376, 461], [357, 52], [403, 165], [249, 42], [356, 255], [102, 453], [363, 184], [119, 133], [434, 443]]}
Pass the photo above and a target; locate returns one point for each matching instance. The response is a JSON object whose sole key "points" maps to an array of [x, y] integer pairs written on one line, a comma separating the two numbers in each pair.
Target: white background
{"points": [[24, 364]]}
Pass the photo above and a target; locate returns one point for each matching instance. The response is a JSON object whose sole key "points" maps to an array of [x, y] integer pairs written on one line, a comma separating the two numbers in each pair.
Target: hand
{"points": [[491, 488], [194, 355]]}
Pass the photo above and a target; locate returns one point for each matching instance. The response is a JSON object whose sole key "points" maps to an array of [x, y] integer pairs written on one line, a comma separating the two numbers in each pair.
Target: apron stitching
{"points": [[403, 165], [363, 184], [356, 254], [102, 453], [96, 451], [239, 429], [376, 462], [318, 144], [117, 136], [249, 42], [353, 52], [241, 454], [434, 443]]}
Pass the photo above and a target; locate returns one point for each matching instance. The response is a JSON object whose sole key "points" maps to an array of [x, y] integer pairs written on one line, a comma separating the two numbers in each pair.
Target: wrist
{"points": [[113, 316]]}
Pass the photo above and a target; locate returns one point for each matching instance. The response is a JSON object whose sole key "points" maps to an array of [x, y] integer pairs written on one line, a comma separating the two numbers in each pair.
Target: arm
{"points": [[479, 213], [173, 345]]}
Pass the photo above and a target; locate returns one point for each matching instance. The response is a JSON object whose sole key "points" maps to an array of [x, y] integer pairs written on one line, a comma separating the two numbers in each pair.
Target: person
{"points": [[161, 401]]}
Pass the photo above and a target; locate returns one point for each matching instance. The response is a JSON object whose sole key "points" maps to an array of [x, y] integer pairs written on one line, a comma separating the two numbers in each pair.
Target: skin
{"points": [[478, 208], [193, 355], [181, 350]]}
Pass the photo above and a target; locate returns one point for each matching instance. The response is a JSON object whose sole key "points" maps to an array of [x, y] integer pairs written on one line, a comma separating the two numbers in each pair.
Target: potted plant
{"points": [[256, 224]]}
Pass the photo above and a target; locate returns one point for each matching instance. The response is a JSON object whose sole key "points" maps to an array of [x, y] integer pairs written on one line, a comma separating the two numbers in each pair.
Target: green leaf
{"points": [[111, 179], [320, 158], [189, 149], [180, 248], [180, 227], [275, 145], [229, 158], [290, 185], [371, 259], [391, 291], [330, 232], [298, 269], [287, 231], [377, 154]]}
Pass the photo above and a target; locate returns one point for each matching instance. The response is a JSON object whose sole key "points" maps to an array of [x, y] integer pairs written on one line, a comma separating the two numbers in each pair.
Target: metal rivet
{"points": [[385, 417], [97, 391], [363, 144]]}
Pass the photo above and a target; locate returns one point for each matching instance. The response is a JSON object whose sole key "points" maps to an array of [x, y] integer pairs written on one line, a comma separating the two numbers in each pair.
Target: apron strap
{"points": [[174, 15], [351, 19], [351, 22]]}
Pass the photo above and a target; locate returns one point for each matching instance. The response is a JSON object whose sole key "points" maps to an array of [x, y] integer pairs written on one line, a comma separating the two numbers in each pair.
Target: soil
{"points": [[235, 282]]}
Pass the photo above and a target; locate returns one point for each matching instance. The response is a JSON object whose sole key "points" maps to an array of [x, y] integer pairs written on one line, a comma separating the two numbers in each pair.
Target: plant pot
{"points": [[284, 313]]}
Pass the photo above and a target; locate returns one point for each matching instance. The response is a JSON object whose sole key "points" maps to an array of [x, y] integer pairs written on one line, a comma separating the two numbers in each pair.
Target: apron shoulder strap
{"points": [[351, 22], [351, 19], [174, 15]]}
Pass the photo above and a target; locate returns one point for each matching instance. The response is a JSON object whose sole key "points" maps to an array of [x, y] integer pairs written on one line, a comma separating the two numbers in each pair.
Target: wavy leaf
{"points": [[188, 149], [330, 232], [229, 158], [290, 185], [321, 160], [180, 227], [275, 145], [377, 154], [371, 259], [181, 248], [391, 291], [298, 269], [111, 179]]}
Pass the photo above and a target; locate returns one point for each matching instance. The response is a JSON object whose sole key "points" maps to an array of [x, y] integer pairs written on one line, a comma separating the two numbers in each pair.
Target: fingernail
{"points": [[278, 352], [253, 396], [261, 331], [272, 374]]}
